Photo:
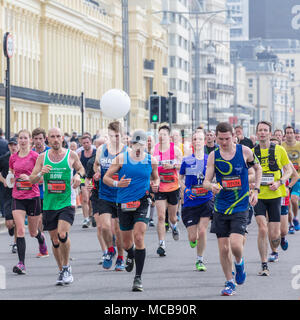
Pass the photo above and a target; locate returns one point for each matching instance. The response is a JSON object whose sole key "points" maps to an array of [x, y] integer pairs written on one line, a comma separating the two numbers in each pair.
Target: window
{"points": [[180, 85], [172, 39], [292, 63], [180, 63], [172, 84], [172, 61], [250, 98], [250, 83], [287, 63]]}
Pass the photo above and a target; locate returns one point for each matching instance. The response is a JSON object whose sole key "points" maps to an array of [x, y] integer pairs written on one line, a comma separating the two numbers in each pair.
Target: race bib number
{"points": [[232, 183], [167, 177], [199, 191], [56, 186], [130, 206], [266, 179], [23, 185]]}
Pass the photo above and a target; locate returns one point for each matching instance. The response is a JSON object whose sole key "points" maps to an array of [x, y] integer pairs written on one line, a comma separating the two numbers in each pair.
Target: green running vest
{"points": [[57, 184]]}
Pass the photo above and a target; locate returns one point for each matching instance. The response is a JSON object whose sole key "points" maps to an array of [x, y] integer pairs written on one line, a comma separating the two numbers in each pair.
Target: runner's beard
{"points": [[56, 146]]}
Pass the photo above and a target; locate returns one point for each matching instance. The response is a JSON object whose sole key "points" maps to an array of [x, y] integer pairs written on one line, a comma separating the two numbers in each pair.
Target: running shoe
{"points": [[19, 268], [86, 223], [167, 226], [151, 223], [120, 266], [137, 284], [229, 289], [161, 251], [284, 244], [200, 266], [175, 233], [14, 248], [264, 271], [107, 262], [193, 244], [240, 274], [26, 221], [296, 224], [129, 264], [43, 249], [273, 257], [60, 279], [291, 230], [67, 275], [102, 259]]}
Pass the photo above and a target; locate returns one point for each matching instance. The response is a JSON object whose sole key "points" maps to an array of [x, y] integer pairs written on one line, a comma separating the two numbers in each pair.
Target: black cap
{"points": [[13, 141]]}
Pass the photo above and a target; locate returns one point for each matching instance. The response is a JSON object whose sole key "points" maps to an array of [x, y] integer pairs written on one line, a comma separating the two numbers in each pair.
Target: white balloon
{"points": [[115, 103]]}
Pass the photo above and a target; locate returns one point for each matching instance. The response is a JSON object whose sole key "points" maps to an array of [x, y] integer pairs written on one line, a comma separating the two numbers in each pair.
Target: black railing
{"points": [[47, 97]]}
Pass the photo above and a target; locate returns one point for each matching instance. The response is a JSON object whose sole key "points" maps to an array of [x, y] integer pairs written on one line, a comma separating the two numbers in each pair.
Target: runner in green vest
{"points": [[56, 167]]}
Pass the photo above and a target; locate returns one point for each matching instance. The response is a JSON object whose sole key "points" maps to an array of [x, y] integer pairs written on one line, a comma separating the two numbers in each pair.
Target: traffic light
{"points": [[164, 110], [154, 107], [174, 109]]}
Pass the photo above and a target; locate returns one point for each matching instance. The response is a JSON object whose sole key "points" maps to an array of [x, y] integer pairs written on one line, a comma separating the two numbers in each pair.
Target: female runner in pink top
{"points": [[26, 199]]}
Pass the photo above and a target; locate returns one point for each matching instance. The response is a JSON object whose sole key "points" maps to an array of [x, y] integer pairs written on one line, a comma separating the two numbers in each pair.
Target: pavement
{"points": [[173, 277]]}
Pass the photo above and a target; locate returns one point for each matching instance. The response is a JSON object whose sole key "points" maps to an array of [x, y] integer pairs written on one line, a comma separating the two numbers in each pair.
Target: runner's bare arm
{"points": [[252, 162], [178, 156], [96, 166], [114, 168], [154, 175], [76, 164], [209, 175], [39, 170], [294, 176]]}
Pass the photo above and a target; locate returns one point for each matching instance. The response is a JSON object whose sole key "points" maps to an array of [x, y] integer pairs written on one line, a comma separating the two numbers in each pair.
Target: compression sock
{"points": [[140, 256], [21, 245], [40, 237]]}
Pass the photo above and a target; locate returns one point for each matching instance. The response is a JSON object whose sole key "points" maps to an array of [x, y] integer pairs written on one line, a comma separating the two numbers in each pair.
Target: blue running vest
{"points": [[105, 192], [233, 176], [140, 173]]}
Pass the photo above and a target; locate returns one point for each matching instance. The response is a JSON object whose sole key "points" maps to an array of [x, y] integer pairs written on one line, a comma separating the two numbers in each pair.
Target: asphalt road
{"points": [[173, 277]]}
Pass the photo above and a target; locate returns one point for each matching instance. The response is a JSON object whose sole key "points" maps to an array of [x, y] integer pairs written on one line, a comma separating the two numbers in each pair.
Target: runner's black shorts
{"points": [[272, 207], [108, 207], [224, 225], [32, 207], [191, 215], [7, 209], [51, 217], [127, 219], [95, 204], [172, 197]]}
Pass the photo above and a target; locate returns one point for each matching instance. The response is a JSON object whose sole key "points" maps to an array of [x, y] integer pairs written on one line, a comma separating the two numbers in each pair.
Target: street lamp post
{"points": [[125, 40], [8, 48], [197, 33]]}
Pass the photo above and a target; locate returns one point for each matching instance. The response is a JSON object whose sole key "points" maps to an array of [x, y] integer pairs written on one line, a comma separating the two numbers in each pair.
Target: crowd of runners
{"points": [[125, 183]]}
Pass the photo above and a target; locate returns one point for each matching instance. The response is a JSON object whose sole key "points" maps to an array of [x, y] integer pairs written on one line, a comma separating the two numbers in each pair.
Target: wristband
{"points": [[115, 183]]}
